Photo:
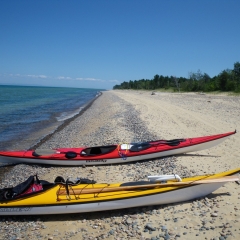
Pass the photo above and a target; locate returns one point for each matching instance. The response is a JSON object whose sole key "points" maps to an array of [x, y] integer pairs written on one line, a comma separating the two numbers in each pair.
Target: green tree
{"points": [[227, 80], [222, 80], [236, 76], [156, 82]]}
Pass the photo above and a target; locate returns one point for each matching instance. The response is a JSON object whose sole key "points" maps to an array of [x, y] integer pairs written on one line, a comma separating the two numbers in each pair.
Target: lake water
{"points": [[26, 111]]}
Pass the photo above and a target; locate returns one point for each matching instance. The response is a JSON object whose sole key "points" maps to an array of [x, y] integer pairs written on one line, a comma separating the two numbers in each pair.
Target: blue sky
{"points": [[101, 43]]}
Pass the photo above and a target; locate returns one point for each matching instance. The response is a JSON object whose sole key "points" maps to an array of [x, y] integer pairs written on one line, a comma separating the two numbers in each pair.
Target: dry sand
{"points": [[166, 116], [190, 115]]}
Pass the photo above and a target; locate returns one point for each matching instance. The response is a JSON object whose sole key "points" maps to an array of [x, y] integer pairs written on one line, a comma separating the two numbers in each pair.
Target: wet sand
{"points": [[127, 116]]}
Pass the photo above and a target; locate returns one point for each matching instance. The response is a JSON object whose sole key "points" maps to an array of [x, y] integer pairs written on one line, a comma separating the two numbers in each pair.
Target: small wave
{"points": [[66, 115], [98, 94]]}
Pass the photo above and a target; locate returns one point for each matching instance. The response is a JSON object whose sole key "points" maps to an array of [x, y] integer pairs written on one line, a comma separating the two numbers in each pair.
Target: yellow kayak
{"points": [[41, 197]]}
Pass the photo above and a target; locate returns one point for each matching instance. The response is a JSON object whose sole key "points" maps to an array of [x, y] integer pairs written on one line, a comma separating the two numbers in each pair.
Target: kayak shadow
{"points": [[214, 195], [195, 155]]}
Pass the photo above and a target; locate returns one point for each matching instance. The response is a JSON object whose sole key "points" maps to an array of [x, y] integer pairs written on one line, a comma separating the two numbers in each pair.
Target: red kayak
{"points": [[111, 154]]}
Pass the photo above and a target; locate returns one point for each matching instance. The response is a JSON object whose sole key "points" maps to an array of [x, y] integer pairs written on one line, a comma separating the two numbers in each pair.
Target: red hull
{"points": [[137, 152]]}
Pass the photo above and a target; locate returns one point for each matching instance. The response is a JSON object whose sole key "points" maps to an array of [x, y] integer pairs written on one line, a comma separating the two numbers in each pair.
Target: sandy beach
{"points": [[130, 116]]}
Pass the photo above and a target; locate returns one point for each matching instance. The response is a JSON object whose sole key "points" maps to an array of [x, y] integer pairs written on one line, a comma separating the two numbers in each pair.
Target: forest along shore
{"points": [[127, 116]]}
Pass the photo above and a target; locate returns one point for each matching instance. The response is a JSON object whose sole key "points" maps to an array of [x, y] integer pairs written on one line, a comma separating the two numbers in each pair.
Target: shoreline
{"points": [[124, 116], [65, 123], [5, 168]]}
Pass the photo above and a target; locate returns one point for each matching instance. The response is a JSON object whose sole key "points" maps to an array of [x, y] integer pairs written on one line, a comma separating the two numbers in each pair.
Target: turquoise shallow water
{"points": [[25, 110]]}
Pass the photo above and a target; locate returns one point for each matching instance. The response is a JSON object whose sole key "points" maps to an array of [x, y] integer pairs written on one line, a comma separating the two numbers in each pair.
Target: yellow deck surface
{"points": [[51, 197]]}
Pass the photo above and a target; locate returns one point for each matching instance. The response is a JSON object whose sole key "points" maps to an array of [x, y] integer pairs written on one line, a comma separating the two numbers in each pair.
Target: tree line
{"points": [[227, 80]]}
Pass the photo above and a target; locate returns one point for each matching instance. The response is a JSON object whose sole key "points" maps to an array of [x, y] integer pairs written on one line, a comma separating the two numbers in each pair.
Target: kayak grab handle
{"points": [[163, 178]]}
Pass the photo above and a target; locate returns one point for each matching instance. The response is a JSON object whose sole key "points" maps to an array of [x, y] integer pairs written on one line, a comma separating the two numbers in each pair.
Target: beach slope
{"points": [[132, 116]]}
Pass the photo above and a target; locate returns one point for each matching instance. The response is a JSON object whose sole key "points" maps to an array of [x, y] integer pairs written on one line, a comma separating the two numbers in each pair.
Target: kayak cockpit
{"points": [[92, 151], [27, 188], [43, 152]]}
